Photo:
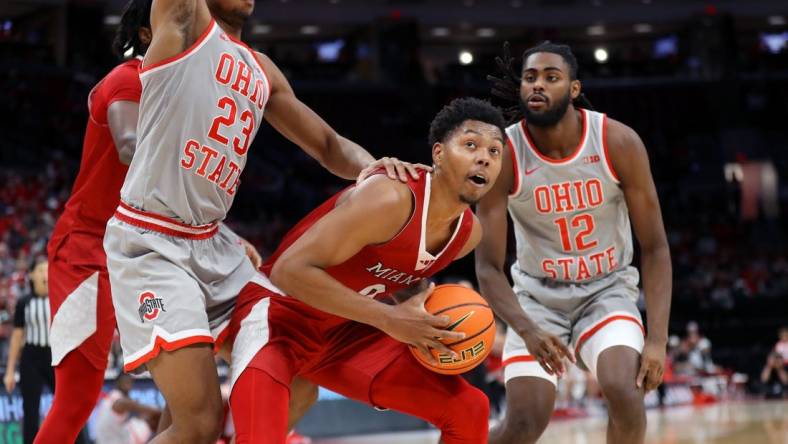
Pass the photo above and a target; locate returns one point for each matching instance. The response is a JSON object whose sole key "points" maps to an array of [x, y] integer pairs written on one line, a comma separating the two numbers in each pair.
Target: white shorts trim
{"points": [[615, 333], [252, 335], [157, 336], [518, 369], [75, 320]]}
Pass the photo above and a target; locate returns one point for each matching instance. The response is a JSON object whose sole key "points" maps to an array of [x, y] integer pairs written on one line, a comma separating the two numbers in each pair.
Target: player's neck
{"points": [[560, 139], [231, 30], [445, 205]]}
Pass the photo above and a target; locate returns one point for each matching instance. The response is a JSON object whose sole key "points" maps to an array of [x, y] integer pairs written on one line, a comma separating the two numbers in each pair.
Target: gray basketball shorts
{"points": [[171, 289], [588, 317]]}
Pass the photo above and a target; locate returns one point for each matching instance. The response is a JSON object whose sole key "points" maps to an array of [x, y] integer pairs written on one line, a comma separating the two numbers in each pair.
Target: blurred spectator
{"points": [[781, 347], [693, 356], [121, 420], [774, 377]]}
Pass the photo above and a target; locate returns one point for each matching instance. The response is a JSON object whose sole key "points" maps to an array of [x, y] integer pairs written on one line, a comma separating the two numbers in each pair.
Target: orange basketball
{"points": [[470, 314]]}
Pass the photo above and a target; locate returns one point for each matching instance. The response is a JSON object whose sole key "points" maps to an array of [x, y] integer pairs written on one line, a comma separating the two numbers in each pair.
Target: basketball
{"points": [[470, 314]]}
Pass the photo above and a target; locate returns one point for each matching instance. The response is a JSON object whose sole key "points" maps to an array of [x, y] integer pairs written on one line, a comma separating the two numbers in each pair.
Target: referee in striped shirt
{"points": [[31, 328]]}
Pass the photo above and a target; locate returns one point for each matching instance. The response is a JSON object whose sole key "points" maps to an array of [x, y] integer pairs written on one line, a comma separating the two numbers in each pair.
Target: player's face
{"points": [[234, 12], [39, 278], [546, 88], [470, 159]]}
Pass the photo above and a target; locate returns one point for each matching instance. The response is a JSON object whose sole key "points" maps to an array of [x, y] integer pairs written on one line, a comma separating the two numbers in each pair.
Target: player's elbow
{"points": [[285, 272]]}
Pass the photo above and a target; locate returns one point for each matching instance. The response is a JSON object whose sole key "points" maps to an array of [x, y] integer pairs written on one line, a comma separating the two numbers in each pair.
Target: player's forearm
{"points": [[346, 158], [313, 286], [657, 286], [498, 293]]}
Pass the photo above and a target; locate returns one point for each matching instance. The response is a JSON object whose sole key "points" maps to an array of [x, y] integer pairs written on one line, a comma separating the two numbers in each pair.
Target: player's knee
{"points": [[468, 414], [201, 425], [625, 403], [522, 429], [303, 395]]}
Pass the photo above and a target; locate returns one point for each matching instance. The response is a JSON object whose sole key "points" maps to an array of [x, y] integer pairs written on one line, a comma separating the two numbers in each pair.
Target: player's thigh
{"points": [[528, 396], [517, 359], [303, 395], [611, 319], [188, 380]]}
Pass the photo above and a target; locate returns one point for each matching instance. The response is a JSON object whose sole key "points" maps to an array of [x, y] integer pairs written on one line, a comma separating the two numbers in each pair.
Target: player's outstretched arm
{"points": [[630, 161], [175, 25], [372, 213], [490, 260], [302, 126]]}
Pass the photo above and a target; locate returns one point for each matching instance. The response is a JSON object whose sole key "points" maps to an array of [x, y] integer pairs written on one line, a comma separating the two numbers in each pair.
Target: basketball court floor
{"points": [[746, 422]]}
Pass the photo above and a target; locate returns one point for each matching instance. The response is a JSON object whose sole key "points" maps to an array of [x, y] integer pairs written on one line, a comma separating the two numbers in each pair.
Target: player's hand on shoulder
{"points": [[409, 322], [395, 169], [548, 350]]}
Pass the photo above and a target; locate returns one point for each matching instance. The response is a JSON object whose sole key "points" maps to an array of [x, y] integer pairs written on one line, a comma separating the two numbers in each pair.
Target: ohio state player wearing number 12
{"points": [[571, 181], [174, 270]]}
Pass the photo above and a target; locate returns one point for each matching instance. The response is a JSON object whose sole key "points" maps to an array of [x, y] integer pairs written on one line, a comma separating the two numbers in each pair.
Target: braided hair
{"points": [[506, 85], [136, 14]]}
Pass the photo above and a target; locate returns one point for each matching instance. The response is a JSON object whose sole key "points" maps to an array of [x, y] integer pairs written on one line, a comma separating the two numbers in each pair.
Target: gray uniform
{"points": [[174, 270], [574, 243]]}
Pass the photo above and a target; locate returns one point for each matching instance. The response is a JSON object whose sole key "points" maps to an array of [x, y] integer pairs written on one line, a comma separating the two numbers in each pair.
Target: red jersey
{"points": [[381, 269], [96, 191]]}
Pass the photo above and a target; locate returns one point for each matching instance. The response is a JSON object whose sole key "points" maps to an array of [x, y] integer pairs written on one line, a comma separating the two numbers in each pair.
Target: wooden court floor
{"points": [[745, 422]]}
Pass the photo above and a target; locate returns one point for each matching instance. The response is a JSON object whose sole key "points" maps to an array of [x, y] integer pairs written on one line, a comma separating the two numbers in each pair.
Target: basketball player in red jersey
{"points": [[572, 179], [174, 270], [322, 316]]}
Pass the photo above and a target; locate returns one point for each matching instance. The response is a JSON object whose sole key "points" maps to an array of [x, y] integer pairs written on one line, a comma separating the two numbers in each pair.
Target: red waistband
{"points": [[163, 224]]}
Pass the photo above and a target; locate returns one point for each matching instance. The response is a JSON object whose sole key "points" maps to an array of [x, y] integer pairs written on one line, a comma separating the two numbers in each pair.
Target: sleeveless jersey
{"points": [[199, 112], [96, 190], [379, 270], [571, 220]]}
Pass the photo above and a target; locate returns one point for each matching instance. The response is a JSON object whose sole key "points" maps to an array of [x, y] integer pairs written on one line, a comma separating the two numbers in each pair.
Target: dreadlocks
{"points": [[136, 14], [507, 85]]}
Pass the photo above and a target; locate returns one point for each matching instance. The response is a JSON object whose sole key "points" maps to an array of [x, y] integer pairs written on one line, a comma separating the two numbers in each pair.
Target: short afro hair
{"points": [[458, 111]]}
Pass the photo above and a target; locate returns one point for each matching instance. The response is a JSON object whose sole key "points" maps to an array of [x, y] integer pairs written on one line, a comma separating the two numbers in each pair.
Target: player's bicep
{"points": [[371, 215], [175, 25], [122, 119], [492, 213], [630, 159]]}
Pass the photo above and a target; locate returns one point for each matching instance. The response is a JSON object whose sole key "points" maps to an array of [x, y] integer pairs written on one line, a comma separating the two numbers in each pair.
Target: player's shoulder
{"points": [[620, 135], [128, 70], [385, 193]]}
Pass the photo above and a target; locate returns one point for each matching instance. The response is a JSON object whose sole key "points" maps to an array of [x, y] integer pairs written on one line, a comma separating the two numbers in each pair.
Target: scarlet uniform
{"points": [[79, 291], [83, 318], [285, 337]]}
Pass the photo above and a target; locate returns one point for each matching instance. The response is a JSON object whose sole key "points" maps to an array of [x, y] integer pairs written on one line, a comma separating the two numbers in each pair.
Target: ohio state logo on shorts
{"points": [[150, 306]]}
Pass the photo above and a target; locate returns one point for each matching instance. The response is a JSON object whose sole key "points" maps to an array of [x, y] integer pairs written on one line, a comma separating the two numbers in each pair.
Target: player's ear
{"points": [[575, 88], [437, 153], [144, 35]]}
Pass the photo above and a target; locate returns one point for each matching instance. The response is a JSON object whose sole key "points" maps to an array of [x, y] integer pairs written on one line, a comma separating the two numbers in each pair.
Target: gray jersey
{"points": [[571, 219], [199, 113]]}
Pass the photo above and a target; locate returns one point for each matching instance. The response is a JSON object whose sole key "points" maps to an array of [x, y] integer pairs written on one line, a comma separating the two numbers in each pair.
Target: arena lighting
{"points": [[112, 20], [776, 20], [309, 30], [643, 28], [440, 31], [261, 29], [601, 55], [466, 58], [485, 32], [596, 30]]}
